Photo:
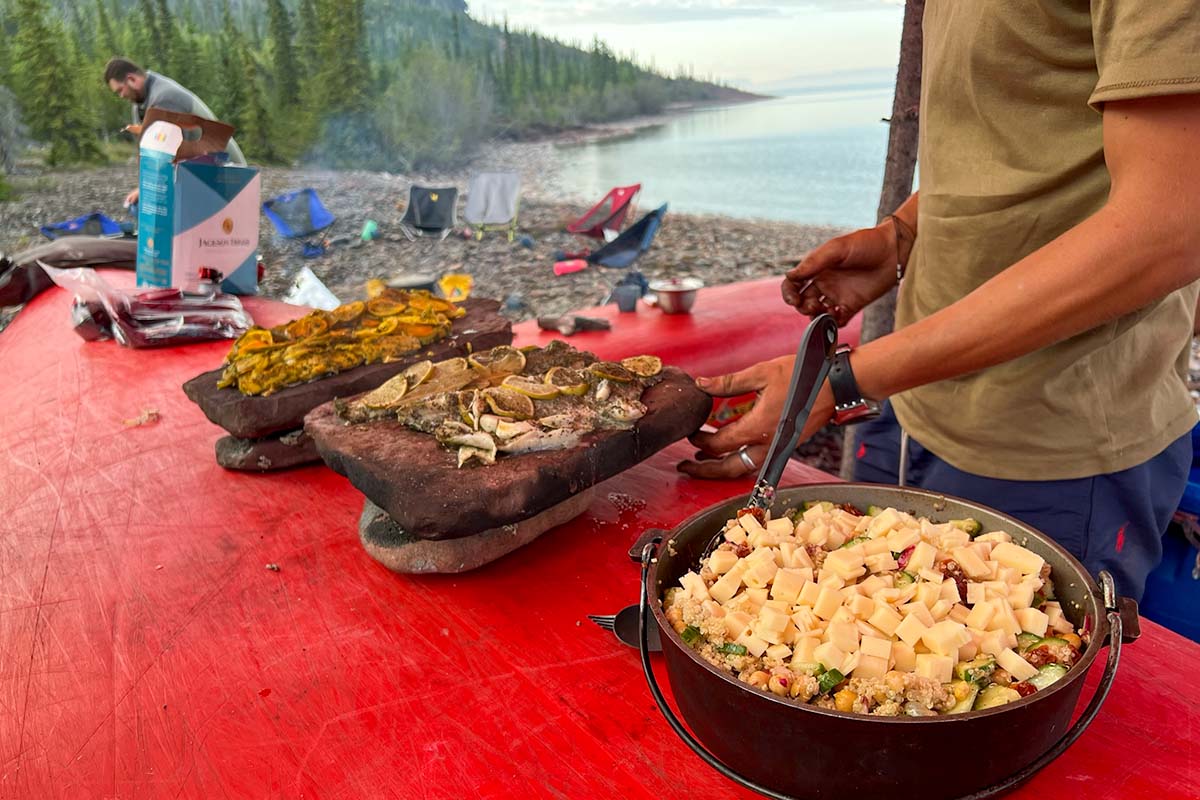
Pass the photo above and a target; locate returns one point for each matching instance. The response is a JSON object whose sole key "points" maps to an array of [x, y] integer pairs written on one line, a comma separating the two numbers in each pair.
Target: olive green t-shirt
{"points": [[1011, 156]]}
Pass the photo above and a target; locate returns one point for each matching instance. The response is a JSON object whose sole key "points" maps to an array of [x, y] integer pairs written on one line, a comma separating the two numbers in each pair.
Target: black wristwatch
{"points": [[850, 407]]}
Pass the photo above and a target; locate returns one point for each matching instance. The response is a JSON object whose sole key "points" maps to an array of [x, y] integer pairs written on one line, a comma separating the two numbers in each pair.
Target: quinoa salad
{"points": [[876, 613]]}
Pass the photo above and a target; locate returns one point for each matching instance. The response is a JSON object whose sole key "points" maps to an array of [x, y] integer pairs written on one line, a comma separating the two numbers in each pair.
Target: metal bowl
{"points": [[676, 295], [784, 748]]}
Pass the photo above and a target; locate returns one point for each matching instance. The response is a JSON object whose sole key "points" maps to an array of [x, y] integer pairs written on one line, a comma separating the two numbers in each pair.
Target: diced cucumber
{"points": [[977, 671], [968, 692], [1026, 641], [829, 680], [857, 540], [995, 695], [904, 579], [732, 649], [825, 504], [690, 635], [1047, 675], [874, 511], [1051, 640], [971, 526]]}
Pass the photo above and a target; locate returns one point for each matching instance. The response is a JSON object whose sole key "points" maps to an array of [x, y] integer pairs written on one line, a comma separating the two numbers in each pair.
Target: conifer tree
{"points": [[283, 55], [47, 87], [255, 137], [168, 34], [231, 67], [106, 37]]}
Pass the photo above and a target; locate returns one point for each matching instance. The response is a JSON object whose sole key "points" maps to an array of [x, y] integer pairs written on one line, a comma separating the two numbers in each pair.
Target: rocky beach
{"points": [[716, 250]]}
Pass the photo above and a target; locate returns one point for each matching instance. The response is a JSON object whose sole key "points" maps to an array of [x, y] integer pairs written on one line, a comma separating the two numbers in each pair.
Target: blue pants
{"points": [[1113, 522]]}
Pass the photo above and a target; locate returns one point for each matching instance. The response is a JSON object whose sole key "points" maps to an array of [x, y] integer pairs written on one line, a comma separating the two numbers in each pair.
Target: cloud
{"points": [[657, 12]]}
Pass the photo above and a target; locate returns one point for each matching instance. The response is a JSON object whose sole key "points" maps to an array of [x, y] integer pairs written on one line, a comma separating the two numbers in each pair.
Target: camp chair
{"points": [[492, 202], [608, 214], [297, 213], [94, 224], [622, 251], [431, 212]]}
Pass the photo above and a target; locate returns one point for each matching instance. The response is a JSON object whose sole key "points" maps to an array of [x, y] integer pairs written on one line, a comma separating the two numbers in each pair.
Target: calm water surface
{"points": [[815, 158]]}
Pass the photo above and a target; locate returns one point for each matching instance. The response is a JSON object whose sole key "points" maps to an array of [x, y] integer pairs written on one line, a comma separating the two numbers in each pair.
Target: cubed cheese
{"points": [[804, 618], [779, 652], [879, 648], [870, 666], [819, 535], [1004, 620], [736, 623], [880, 562], [694, 585], [940, 609], [972, 565], [828, 602], [1032, 620], [945, 638], [829, 656], [727, 585], [995, 589], [904, 658], [968, 651], [875, 547], [721, 561], [1021, 594], [931, 575], [918, 610], [805, 651], [885, 618], [830, 579], [756, 597], [911, 629], [780, 527], [843, 635], [750, 524], [993, 643], [953, 538], [869, 586], [787, 585], [928, 593], [847, 564], [975, 593], [959, 613], [883, 522], [949, 592], [861, 607], [995, 537], [1024, 561], [771, 621], [754, 644], [843, 615], [809, 593], [981, 615], [922, 557], [937, 667], [901, 540], [1016, 666], [736, 534]]}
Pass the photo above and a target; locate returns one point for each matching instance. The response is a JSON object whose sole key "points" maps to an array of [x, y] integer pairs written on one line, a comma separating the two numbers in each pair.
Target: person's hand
{"points": [[849, 271], [718, 455], [132, 197]]}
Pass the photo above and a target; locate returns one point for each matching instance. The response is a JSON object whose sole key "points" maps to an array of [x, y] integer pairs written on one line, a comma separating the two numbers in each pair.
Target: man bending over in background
{"points": [[145, 90]]}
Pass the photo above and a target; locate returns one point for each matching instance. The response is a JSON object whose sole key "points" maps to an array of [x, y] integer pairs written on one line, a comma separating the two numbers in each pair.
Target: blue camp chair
{"points": [[94, 224], [298, 213], [622, 251]]}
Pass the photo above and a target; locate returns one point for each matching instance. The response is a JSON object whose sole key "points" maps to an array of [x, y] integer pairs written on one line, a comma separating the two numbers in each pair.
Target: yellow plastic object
{"points": [[455, 286]]}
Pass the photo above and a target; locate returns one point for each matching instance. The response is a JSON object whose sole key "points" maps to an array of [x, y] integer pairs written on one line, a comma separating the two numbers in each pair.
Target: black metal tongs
{"points": [[813, 360]]}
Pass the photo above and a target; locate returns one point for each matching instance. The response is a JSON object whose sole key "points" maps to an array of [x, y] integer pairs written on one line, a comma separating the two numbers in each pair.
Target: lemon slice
{"points": [[417, 373], [612, 371], [508, 403], [570, 382], [387, 326], [388, 394], [348, 312], [530, 387], [643, 366], [383, 307], [503, 359]]}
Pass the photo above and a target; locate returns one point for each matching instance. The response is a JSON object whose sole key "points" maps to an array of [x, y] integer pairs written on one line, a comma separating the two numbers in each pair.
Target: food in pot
{"points": [[506, 401], [880, 613], [391, 324]]}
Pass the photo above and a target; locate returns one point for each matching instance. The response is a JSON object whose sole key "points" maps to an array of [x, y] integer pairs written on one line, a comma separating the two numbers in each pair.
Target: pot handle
{"points": [[1093, 707]]}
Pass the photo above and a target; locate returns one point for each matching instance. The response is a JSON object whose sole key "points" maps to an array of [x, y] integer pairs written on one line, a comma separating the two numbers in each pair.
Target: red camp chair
{"points": [[608, 214]]}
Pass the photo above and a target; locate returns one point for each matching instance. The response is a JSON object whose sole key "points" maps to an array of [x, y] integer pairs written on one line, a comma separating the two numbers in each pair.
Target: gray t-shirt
{"points": [[164, 93]]}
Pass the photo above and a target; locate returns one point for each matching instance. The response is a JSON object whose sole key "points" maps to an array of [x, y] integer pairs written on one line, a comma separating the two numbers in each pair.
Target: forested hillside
{"points": [[376, 84]]}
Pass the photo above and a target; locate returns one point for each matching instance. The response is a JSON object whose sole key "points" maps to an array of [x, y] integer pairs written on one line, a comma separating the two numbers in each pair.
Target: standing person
{"points": [[1045, 312], [145, 90]]}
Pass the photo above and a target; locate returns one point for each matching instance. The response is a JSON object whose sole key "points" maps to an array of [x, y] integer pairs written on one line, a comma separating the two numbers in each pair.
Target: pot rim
{"points": [[1077, 672]]}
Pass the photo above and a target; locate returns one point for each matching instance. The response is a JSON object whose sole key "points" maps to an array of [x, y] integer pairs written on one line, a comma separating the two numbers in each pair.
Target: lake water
{"points": [[814, 158]]}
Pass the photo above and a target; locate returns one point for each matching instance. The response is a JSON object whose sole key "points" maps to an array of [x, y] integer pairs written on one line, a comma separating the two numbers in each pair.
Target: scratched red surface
{"points": [[146, 652]]}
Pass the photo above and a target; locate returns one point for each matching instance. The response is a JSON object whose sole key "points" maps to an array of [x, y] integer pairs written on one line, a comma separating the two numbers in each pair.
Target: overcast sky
{"points": [[751, 43]]}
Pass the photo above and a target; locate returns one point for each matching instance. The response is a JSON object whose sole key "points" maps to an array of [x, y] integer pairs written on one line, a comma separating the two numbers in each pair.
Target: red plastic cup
{"points": [[569, 266]]}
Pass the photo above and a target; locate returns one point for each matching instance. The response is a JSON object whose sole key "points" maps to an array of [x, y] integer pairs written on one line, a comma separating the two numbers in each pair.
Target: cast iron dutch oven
{"points": [[784, 749]]}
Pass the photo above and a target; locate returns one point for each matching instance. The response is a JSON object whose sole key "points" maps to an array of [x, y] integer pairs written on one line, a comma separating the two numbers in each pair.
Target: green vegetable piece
{"points": [[968, 702], [874, 511], [825, 504], [1050, 640], [857, 540], [1026, 641], [690, 635], [732, 649], [995, 695], [971, 526], [829, 680], [977, 671], [1039, 599], [1047, 675], [904, 579]]}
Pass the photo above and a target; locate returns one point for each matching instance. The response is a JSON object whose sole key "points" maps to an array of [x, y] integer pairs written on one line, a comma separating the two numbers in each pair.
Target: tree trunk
{"points": [[880, 316]]}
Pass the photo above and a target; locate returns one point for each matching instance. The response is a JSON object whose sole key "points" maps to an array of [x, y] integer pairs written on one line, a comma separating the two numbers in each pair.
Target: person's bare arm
{"points": [[1141, 245]]}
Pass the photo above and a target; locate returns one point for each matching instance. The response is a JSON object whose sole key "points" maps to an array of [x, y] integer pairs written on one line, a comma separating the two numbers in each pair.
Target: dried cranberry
{"points": [[757, 513], [951, 569], [851, 509], [1024, 688], [905, 556], [1040, 656]]}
